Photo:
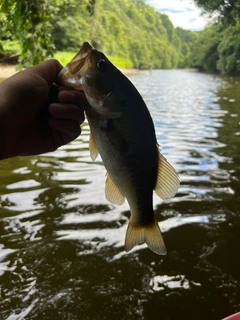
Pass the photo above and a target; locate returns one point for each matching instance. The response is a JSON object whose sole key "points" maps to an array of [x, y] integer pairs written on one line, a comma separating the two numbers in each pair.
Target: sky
{"points": [[182, 13]]}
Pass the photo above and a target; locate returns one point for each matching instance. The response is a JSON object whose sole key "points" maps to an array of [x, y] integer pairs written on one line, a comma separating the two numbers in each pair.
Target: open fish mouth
{"points": [[74, 70]]}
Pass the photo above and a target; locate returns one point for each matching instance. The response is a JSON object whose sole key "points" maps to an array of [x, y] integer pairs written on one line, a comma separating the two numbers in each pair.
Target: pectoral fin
{"points": [[93, 147], [150, 234], [167, 183], [112, 192]]}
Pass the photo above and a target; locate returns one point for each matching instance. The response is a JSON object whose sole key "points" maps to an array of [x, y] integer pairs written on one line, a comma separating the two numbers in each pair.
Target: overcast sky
{"points": [[182, 13]]}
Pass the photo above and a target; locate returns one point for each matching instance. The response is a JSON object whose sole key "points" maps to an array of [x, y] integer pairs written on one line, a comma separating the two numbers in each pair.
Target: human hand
{"points": [[31, 120]]}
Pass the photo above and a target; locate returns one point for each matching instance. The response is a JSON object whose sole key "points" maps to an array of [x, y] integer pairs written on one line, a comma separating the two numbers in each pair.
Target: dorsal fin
{"points": [[112, 192], [167, 183], [93, 147]]}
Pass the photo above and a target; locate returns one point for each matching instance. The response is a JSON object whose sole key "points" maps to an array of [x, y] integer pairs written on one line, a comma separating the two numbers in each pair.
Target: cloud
{"points": [[182, 13], [192, 20], [171, 10], [188, 9]]}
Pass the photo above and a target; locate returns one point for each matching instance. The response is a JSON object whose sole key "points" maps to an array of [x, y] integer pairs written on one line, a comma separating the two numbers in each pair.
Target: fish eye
{"points": [[102, 64]]}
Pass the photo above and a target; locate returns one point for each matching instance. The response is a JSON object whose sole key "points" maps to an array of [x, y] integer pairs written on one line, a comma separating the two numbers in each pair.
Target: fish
{"points": [[122, 132]]}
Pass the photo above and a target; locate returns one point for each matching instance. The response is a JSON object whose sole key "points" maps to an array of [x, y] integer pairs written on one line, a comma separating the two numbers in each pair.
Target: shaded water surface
{"points": [[61, 242]]}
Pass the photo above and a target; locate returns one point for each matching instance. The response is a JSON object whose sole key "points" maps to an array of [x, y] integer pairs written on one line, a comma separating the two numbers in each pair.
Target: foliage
{"points": [[226, 11], [121, 62], [130, 30], [65, 56], [71, 26], [217, 49], [10, 47], [229, 50], [204, 53], [133, 31], [30, 22], [218, 46]]}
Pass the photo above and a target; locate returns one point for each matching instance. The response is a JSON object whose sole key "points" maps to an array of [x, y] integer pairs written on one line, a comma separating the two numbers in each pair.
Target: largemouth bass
{"points": [[123, 133]]}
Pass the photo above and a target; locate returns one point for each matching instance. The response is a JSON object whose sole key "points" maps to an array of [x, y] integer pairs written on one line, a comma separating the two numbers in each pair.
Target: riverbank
{"points": [[7, 71]]}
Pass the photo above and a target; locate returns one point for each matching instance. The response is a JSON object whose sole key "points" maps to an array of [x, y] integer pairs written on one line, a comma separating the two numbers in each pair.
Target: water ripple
{"points": [[62, 243]]}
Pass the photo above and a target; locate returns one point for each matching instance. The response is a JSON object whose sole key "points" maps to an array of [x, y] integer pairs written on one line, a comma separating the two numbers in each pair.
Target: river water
{"points": [[62, 244]]}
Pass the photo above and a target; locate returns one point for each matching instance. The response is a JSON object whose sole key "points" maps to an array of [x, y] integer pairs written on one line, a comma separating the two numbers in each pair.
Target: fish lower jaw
{"points": [[69, 80], [74, 82]]}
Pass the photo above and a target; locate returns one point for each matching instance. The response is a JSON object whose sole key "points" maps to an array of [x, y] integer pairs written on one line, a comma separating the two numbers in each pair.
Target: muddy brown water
{"points": [[62, 244]]}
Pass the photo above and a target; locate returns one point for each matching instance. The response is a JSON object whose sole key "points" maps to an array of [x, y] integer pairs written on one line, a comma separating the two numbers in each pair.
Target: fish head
{"points": [[91, 71], [71, 74]]}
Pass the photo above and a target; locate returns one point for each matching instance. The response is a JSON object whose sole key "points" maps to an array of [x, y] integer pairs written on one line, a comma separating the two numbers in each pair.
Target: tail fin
{"points": [[150, 234]]}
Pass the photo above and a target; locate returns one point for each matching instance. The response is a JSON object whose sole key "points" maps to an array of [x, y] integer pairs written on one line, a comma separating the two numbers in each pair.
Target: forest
{"points": [[131, 33]]}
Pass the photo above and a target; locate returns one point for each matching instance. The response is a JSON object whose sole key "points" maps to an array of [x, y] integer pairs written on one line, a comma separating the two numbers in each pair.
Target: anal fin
{"points": [[167, 183]]}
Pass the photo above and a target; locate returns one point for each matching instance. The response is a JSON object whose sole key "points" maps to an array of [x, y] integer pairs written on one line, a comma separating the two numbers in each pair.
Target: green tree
{"points": [[31, 23], [229, 50], [71, 26], [124, 28], [204, 55], [168, 26], [227, 11]]}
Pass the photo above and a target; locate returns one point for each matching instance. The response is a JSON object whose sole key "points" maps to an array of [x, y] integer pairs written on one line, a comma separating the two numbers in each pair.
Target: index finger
{"points": [[48, 70]]}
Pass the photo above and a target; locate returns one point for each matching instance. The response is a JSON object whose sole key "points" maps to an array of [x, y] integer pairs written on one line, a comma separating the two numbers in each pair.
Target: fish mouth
{"points": [[71, 74]]}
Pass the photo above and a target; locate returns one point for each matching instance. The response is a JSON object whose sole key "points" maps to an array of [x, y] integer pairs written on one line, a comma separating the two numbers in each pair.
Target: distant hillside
{"points": [[127, 29]]}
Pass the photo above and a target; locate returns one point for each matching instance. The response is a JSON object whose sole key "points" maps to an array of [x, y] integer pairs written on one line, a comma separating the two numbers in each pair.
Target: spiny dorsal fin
{"points": [[93, 147], [112, 192], [167, 183], [150, 234]]}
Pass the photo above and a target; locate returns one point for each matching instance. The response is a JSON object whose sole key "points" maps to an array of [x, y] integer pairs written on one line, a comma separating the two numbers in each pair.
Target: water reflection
{"points": [[62, 244], [159, 283]]}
